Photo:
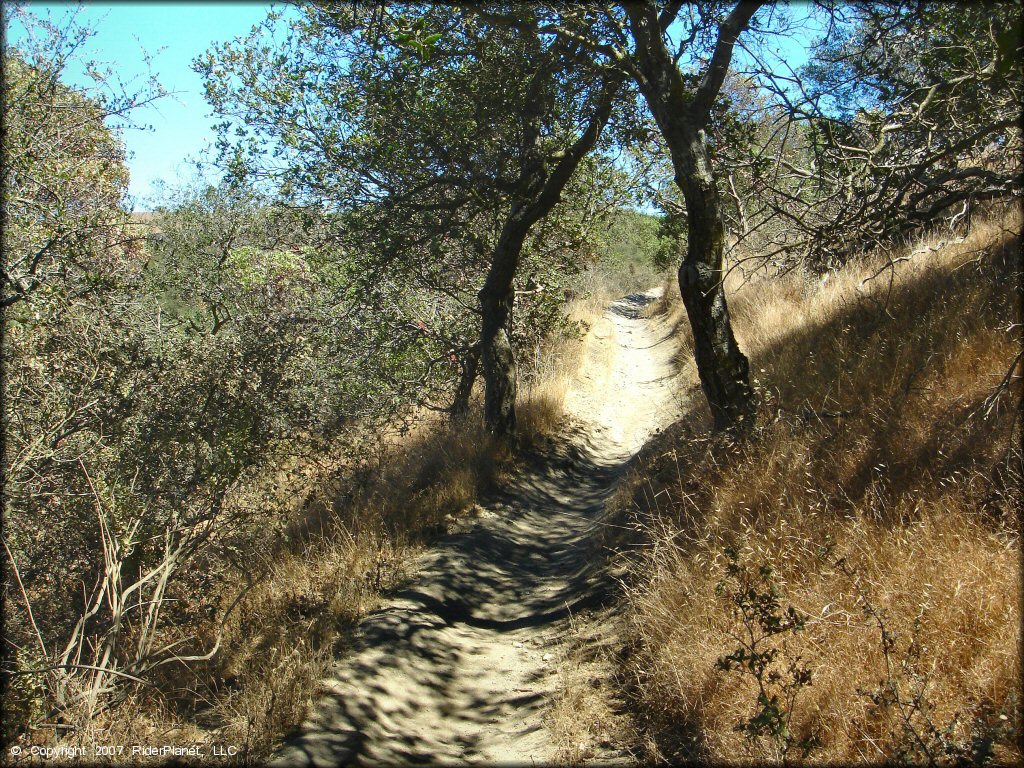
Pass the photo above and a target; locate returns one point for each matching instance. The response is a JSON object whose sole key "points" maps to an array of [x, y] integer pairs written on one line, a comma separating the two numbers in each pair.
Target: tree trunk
{"points": [[539, 189], [722, 367], [470, 364], [497, 356], [681, 115]]}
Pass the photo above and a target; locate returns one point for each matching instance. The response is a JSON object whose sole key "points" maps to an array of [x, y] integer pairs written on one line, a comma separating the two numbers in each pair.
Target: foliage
{"points": [[73, 361], [757, 605], [355, 116], [630, 239], [145, 381], [63, 171], [907, 115]]}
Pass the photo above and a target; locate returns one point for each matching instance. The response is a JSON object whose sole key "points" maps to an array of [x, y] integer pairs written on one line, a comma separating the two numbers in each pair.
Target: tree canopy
{"points": [[424, 133]]}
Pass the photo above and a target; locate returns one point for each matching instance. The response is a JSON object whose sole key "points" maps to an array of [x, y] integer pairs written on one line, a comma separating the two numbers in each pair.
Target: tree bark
{"points": [[497, 356], [498, 293], [539, 189], [681, 116], [470, 364], [723, 368]]}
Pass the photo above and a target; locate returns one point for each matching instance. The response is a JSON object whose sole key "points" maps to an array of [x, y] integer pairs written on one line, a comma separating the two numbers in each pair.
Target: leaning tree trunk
{"points": [[499, 362], [681, 114], [539, 190], [469, 363], [722, 367]]}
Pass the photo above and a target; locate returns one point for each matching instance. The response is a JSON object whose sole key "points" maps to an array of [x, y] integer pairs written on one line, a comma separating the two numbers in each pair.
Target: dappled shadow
{"points": [[632, 306], [458, 666], [425, 659]]}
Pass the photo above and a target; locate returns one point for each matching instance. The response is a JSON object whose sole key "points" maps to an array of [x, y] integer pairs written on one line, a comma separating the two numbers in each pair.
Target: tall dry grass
{"points": [[358, 534], [881, 489], [345, 531]]}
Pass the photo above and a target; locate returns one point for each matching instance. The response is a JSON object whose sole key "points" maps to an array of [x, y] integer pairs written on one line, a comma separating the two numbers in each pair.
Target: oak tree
{"points": [[440, 143]]}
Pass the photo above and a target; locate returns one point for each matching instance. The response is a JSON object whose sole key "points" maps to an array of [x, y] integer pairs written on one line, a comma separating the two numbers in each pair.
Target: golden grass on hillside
{"points": [[880, 489]]}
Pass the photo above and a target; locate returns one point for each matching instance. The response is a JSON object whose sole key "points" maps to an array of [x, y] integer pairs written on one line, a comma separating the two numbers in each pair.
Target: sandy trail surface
{"points": [[459, 666]]}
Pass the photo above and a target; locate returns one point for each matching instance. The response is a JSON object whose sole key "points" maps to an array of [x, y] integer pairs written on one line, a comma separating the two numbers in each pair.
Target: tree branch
{"points": [[731, 28]]}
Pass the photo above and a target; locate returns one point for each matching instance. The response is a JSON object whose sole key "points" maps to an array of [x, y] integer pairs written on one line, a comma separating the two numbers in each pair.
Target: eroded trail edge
{"points": [[458, 667]]}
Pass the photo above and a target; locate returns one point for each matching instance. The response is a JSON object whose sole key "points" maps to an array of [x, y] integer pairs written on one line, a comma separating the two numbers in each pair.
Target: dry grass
{"points": [[357, 535], [339, 532], [542, 398], [884, 476], [587, 718]]}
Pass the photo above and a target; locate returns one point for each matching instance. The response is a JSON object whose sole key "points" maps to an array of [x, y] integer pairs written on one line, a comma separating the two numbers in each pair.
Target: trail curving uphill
{"points": [[458, 667]]}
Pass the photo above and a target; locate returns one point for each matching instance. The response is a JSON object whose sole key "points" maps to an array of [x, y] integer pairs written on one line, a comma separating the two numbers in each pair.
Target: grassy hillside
{"points": [[845, 585]]}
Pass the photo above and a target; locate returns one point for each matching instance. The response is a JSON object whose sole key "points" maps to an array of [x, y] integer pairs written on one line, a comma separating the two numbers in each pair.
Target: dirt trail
{"points": [[459, 667]]}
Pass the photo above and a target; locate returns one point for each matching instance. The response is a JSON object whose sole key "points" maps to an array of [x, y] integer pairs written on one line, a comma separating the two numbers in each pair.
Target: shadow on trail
{"points": [[416, 688], [632, 306], [459, 666]]}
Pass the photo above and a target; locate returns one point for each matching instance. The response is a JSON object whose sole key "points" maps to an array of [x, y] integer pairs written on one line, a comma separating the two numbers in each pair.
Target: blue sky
{"points": [[173, 34]]}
